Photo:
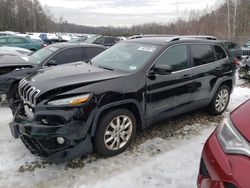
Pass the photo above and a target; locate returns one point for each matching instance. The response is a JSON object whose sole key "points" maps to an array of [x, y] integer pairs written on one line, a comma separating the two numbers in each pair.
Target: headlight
{"points": [[231, 140], [72, 100]]}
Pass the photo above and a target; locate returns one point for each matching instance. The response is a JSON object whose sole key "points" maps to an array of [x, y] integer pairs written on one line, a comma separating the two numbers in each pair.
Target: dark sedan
{"points": [[14, 68]]}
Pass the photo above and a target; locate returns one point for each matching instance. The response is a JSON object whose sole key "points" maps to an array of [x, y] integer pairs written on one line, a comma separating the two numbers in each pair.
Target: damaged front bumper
{"points": [[55, 134]]}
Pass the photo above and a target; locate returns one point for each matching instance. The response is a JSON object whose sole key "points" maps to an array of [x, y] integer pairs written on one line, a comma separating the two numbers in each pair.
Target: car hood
{"points": [[74, 74], [13, 60], [241, 119]]}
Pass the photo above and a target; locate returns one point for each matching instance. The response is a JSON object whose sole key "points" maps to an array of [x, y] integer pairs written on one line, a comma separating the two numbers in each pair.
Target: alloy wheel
{"points": [[118, 132]]}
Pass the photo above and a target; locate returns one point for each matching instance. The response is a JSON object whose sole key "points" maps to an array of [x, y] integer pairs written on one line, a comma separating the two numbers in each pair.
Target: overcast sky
{"points": [[124, 12]]}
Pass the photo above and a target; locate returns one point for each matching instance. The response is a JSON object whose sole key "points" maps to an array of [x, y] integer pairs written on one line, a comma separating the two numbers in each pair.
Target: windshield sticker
{"points": [[148, 49], [132, 68]]}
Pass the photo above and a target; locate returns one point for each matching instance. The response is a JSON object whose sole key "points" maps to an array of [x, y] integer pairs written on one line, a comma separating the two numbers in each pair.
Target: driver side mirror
{"points": [[161, 70], [52, 63]]}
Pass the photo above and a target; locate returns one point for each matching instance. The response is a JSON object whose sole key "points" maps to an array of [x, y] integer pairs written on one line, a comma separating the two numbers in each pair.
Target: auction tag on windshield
{"points": [[148, 48]]}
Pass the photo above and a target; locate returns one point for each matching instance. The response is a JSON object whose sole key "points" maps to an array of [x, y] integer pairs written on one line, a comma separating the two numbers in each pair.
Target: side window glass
{"points": [[18, 40], [202, 54], [100, 41], [220, 53], [68, 56], [176, 57], [3, 41], [92, 52]]}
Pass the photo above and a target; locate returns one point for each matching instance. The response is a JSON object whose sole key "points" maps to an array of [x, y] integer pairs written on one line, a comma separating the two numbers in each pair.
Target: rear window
{"points": [[219, 52], [202, 54]]}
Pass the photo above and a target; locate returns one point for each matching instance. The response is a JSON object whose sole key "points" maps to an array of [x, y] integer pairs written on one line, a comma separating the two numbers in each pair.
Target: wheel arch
{"points": [[131, 105]]}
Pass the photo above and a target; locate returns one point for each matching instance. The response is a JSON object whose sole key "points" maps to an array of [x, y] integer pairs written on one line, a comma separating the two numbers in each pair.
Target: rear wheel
{"points": [[115, 132], [220, 101]]}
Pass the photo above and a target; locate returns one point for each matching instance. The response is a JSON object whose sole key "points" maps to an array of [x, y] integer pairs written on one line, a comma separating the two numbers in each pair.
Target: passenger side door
{"points": [[206, 72], [170, 92], [69, 55]]}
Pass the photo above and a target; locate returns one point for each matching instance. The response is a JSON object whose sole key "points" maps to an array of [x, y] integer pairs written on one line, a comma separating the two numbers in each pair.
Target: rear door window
{"points": [[68, 56], [219, 52], [202, 54]]}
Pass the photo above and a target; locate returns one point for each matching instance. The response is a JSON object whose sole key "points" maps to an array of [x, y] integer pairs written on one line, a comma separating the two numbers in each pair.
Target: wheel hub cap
{"points": [[118, 132], [222, 100]]}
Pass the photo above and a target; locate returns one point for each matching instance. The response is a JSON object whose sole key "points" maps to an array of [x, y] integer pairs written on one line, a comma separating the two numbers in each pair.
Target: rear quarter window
{"points": [[219, 52], [202, 54]]}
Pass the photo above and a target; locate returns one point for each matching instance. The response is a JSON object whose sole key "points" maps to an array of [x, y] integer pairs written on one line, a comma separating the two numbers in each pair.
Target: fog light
{"points": [[60, 140]]}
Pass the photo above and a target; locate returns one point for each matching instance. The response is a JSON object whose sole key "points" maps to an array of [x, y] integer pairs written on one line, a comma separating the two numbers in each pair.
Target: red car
{"points": [[225, 161]]}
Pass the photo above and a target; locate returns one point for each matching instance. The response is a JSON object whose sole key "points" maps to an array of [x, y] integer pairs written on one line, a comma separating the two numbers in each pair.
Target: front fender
{"points": [[116, 104]]}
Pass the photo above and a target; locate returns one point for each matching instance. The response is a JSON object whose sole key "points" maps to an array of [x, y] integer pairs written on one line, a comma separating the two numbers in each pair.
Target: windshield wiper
{"points": [[107, 68]]}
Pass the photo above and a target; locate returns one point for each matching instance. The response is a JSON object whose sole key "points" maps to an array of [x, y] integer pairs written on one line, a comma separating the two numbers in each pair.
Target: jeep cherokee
{"points": [[79, 108]]}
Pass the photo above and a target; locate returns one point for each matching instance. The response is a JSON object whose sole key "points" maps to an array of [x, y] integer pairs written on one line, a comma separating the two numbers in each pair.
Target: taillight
{"points": [[235, 61], [44, 45]]}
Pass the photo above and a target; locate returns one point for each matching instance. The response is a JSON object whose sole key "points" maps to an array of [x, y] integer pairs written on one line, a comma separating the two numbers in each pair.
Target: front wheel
{"points": [[220, 101], [115, 132]]}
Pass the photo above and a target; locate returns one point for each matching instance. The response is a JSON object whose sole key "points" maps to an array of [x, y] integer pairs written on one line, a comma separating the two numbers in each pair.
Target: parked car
{"points": [[102, 40], [14, 68], [71, 109], [225, 159], [8, 50], [246, 49], [5, 34], [21, 42], [244, 68], [233, 49]]}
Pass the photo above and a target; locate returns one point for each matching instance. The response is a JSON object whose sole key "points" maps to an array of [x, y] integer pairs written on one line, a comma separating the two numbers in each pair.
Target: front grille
{"points": [[246, 52], [203, 169], [229, 185], [28, 93], [33, 146]]}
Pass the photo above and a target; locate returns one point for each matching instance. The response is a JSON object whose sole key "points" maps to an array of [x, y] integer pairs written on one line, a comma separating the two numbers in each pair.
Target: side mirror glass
{"points": [[161, 70]]}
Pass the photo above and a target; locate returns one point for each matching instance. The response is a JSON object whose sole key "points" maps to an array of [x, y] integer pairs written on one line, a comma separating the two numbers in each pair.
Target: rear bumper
{"points": [[40, 133], [223, 170]]}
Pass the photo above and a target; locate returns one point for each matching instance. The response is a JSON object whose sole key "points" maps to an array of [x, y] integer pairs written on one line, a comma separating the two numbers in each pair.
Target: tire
{"points": [[104, 126], [220, 100], [13, 98]]}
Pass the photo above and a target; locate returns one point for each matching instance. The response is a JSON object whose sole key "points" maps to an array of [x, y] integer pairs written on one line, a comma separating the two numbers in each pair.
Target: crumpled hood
{"points": [[75, 74], [13, 60]]}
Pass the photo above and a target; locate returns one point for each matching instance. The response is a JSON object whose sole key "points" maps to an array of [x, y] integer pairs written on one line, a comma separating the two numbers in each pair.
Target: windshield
{"points": [[125, 56], [42, 54], [91, 39]]}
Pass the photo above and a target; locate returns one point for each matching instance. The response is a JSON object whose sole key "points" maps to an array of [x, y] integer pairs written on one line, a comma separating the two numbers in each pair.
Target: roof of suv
{"points": [[162, 41]]}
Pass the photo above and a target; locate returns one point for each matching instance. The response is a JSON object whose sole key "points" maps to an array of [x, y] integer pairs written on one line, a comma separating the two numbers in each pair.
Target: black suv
{"points": [[72, 109]]}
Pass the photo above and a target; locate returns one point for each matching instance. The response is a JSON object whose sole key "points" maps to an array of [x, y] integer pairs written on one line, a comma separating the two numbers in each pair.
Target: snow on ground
{"points": [[157, 162]]}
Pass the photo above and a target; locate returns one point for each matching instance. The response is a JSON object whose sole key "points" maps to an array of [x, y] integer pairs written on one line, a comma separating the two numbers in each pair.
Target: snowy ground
{"points": [[166, 155]]}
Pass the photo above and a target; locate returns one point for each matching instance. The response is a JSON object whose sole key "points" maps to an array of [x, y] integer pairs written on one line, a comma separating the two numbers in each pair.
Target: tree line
{"points": [[229, 20]]}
